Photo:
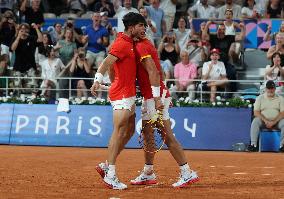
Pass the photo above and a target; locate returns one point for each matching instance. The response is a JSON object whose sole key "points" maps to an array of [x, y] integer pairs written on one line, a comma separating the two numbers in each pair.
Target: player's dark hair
{"points": [[132, 19]]}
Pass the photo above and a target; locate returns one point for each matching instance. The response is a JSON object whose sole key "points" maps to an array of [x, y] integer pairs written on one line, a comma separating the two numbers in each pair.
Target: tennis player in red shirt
{"points": [[147, 57], [121, 59]]}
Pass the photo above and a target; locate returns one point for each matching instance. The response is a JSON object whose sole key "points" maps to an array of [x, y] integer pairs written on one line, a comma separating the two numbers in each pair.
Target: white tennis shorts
{"points": [[148, 109], [125, 103]]}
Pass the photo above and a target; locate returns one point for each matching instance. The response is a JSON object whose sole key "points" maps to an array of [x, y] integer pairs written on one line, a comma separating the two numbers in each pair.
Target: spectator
{"points": [[274, 9], [121, 11], [185, 72], [182, 33], [169, 8], [81, 69], [24, 46], [231, 6], [8, 5], [268, 113], [278, 47], [41, 50], [250, 11], [197, 50], [231, 26], [98, 39], [7, 30], [104, 6], [151, 29], [275, 72], [169, 49], [66, 47], [3, 72], [223, 43], [157, 15], [261, 6], [77, 32], [56, 33], [204, 38], [202, 10], [219, 3], [77, 7], [32, 14], [105, 23], [269, 36], [214, 70], [51, 68]]}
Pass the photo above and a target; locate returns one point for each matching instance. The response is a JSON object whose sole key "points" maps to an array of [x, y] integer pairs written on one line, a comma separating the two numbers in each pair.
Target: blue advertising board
{"points": [[6, 115], [91, 126]]}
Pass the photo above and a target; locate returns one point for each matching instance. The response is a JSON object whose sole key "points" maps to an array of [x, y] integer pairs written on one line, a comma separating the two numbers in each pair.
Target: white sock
{"points": [[148, 169], [111, 170], [185, 168]]}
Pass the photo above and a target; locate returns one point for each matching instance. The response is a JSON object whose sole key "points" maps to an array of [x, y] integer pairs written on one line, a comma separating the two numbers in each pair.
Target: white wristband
{"points": [[155, 91], [99, 78]]}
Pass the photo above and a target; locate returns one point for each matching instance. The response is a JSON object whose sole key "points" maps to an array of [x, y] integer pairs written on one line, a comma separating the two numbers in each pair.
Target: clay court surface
{"points": [[63, 172]]}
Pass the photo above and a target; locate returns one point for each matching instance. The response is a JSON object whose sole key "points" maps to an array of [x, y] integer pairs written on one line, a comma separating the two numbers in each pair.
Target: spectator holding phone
{"points": [[24, 46], [81, 69], [197, 50], [169, 48]]}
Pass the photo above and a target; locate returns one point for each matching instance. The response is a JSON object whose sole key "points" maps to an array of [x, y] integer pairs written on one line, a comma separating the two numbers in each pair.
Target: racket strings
{"points": [[152, 137]]}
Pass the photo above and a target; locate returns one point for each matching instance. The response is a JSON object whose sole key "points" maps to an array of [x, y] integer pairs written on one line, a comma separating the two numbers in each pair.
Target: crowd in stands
{"points": [[186, 54]]}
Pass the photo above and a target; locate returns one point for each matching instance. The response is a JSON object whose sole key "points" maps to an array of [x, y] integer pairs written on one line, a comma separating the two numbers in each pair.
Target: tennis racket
{"points": [[152, 135]]}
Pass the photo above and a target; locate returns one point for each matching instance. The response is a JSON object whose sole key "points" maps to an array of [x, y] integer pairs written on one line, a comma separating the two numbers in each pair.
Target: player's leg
{"points": [[120, 134], [147, 176], [123, 111], [187, 176]]}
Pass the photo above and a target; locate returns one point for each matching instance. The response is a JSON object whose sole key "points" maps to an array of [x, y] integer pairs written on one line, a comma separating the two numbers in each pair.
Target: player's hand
{"points": [[158, 104], [95, 87]]}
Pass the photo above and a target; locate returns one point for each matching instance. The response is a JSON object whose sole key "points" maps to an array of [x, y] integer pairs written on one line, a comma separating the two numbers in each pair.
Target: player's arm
{"points": [[105, 65], [154, 77]]}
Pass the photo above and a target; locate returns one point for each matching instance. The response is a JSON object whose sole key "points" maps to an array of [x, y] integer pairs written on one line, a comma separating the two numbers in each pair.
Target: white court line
{"points": [[230, 166], [212, 166], [239, 173]]}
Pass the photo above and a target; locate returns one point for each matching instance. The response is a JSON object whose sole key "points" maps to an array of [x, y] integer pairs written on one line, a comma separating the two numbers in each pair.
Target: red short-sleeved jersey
{"points": [[123, 85], [143, 49]]}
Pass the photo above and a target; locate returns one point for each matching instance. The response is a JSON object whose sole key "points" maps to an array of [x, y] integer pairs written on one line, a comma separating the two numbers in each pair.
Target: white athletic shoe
{"points": [[102, 169], [144, 179], [186, 179], [114, 183]]}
